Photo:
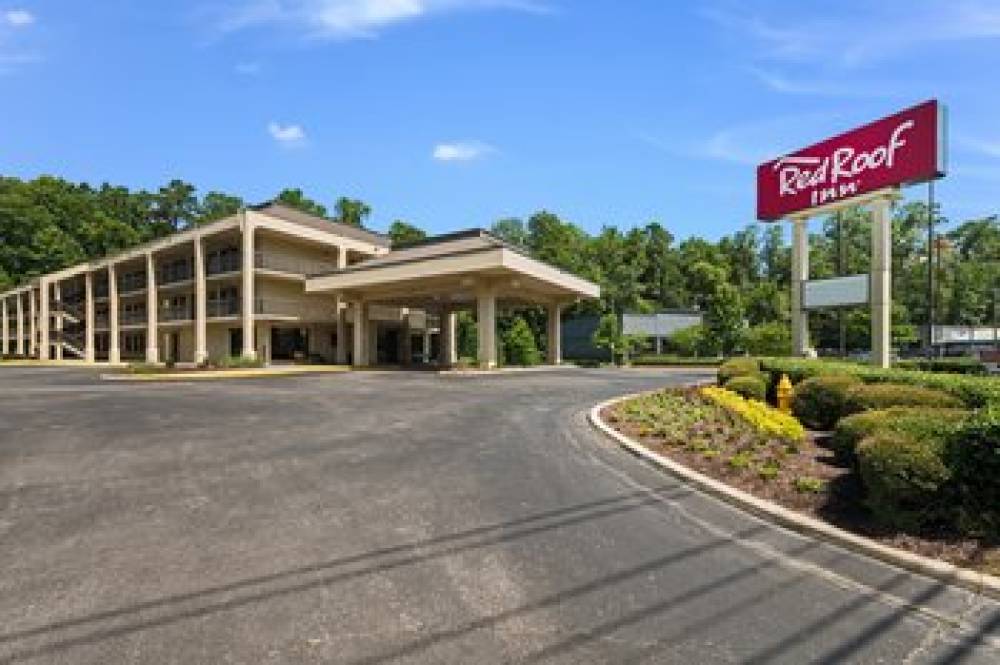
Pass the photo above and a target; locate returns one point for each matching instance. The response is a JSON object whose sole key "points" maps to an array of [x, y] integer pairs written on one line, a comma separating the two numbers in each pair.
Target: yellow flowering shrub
{"points": [[763, 417]]}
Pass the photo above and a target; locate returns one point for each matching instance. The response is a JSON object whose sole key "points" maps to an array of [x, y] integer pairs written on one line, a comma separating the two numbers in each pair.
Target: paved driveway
{"points": [[369, 518]]}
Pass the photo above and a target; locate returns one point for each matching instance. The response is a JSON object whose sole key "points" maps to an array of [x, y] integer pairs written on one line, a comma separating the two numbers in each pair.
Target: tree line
{"points": [[741, 282]]}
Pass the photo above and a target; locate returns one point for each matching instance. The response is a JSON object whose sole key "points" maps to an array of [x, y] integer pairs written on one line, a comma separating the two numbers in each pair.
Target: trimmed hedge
{"points": [[946, 365], [973, 454], [751, 386], [819, 402], [975, 391], [675, 361], [929, 425], [904, 479], [737, 367], [869, 397]]}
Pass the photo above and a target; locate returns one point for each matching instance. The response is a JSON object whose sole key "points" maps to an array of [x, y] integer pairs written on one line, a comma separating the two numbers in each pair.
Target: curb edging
{"points": [[980, 583]]}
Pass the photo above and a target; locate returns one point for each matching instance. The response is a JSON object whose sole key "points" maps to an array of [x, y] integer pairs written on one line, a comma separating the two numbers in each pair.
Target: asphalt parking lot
{"points": [[409, 517]]}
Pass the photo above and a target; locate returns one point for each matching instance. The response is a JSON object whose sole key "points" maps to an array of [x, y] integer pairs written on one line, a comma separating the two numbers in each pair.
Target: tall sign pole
{"points": [[930, 269]]}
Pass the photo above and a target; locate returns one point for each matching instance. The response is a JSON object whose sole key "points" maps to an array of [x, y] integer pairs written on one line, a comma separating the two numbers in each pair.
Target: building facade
{"points": [[277, 284]]}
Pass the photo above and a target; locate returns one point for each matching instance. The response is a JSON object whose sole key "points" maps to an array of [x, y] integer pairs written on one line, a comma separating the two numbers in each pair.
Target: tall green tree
{"points": [[352, 211], [296, 199], [402, 233]]}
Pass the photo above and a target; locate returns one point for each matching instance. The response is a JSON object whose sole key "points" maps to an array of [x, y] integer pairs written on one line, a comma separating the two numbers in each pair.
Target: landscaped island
{"points": [[909, 458]]}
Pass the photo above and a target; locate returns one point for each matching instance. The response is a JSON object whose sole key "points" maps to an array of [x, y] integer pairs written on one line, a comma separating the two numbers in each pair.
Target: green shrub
{"points": [[771, 339], [945, 365], [809, 485], [751, 386], [819, 401], [903, 478], [929, 425], [973, 454], [873, 396], [668, 360], [737, 367], [975, 391], [519, 345], [239, 362]]}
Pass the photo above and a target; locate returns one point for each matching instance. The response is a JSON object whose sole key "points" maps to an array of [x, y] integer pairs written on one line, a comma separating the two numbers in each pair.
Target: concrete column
{"points": [[200, 303], [5, 349], [486, 321], [57, 294], [360, 311], [88, 290], [341, 309], [20, 325], [449, 337], [32, 323], [405, 340], [555, 334], [247, 310], [43, 320], [114, 304], [372, 343], [881, 282], [427, 343], [152, 311], [800, 274]]}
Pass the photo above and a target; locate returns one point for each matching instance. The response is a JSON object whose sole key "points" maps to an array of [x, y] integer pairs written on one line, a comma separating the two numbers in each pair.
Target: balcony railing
{"points": [[291, 264], [220, 308], [217, 265], [176, 275], [177, 313], [132, 318], [296, 309]]}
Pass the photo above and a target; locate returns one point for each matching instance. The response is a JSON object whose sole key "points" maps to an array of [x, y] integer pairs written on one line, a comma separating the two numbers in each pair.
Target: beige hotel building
{"points": [[277, 284]]}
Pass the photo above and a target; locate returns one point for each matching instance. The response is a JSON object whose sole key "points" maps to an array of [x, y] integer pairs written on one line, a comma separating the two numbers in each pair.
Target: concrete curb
{"points": [[501, 371], [980, 583], [222, 375]]}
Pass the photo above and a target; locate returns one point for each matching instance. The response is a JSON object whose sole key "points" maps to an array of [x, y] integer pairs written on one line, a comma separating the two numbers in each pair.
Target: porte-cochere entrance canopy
{"points": [[465, 270]]}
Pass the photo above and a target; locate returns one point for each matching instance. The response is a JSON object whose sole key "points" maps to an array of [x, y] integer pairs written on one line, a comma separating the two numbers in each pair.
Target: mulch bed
{"points": [[840, 502]]}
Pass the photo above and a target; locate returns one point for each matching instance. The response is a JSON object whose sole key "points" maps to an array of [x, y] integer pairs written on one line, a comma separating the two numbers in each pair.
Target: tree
{"points": [[352, 211], [402, 233], [217, 205], [296, 199], [519, 344], [609, 336], [724, 315], [177, 205], [511, 230], [768, 339]]}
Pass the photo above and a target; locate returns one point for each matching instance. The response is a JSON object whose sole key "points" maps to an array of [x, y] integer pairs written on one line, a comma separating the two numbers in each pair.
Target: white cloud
{"points": [[18, 17], [347, 19], [852, 39], [288, 135], [462, 151], [248, 68], [815, 87], [981, 146]]}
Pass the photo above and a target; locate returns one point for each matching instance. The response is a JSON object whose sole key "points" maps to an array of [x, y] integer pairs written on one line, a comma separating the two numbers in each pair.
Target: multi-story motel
{"points": [[277, 284]]}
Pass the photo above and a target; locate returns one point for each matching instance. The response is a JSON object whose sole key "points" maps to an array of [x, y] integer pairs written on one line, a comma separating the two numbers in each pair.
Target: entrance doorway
{"points": [[235, 342], [289, 343]]}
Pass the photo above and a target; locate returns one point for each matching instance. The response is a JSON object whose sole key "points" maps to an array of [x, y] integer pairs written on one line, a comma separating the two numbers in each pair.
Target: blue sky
{"points": [[453, 113]]}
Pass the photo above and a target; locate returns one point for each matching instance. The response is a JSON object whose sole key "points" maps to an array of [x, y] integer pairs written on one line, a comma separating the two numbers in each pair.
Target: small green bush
{"points": [[931, 426], [751, 386], [809, 485], [239, 362], [820, 401], [519, 345], [973, 454], [737, 367], [885, 395], [903, 478], [667, 360]]}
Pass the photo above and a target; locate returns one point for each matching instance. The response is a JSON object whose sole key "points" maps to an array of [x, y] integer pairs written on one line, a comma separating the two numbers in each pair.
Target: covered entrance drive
{"points": [[470, 270]]}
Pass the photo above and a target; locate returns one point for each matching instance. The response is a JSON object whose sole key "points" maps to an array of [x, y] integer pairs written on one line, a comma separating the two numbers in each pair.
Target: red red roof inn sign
{"points": [[865, 166], [903, 149]]}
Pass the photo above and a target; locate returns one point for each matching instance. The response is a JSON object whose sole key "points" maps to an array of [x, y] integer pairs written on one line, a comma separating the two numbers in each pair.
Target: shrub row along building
{"points": [[274, 283]]}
